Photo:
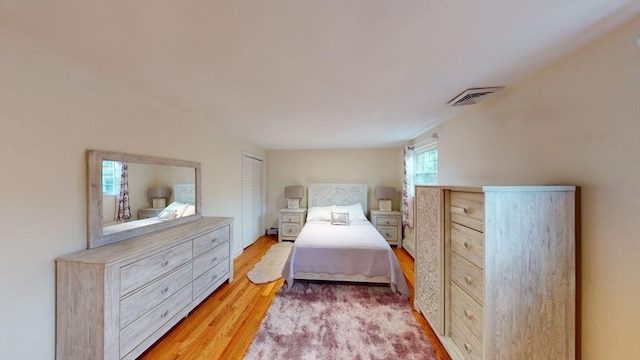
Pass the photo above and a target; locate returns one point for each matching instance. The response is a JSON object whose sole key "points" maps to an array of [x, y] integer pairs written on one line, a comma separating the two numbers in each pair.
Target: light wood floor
{"points": [[223, 326]]}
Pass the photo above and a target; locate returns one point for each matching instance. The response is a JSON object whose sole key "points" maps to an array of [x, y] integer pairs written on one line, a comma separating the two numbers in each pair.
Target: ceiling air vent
{"points": [[473, 96]]}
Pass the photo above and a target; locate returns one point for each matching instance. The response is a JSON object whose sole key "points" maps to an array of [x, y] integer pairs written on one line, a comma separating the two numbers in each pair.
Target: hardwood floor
{"points": [[223, 326]]}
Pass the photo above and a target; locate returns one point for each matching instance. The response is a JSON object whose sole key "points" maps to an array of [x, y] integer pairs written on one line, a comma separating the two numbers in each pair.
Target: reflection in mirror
{"points": [[130, 195]]}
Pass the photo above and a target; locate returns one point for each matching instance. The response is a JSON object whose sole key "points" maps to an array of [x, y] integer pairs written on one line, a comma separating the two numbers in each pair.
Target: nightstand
{"points": [[290, 222], [389, 224], [149, 213]]}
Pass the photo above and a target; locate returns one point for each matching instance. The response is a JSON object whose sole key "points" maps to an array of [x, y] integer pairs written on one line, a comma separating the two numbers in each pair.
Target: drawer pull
{"points": [[468, 314], [214, 240], [164, 291], [466, 245], [468, 279], [466, 210], [387, 222], [164, 314], [165, 263], [215, 276], [468, 347], [214, 259]]}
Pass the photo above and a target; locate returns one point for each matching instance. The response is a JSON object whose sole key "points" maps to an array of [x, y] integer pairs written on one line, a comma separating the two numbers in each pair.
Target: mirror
{"points": [[179, 177]]}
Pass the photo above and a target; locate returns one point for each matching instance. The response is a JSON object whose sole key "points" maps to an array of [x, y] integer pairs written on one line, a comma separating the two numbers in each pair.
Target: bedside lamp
{"points": [[384, 196], [293, 195], [159, 196]]}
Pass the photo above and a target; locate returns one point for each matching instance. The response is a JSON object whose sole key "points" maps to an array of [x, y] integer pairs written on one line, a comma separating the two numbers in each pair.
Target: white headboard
{"points": [[337, 194], [185, 193]]}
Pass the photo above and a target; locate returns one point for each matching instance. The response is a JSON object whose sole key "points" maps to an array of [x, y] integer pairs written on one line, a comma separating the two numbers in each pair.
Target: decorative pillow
{"points": [[319, 213], [339, 218], [189, 210], [179, 208], [167, 215], [355, 211]]}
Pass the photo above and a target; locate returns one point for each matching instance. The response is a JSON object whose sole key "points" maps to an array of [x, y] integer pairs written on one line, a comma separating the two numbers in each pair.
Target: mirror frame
{"points": [[95, 236]]}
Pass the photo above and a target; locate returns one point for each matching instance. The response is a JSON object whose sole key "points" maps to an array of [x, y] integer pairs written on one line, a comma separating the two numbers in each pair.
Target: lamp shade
{"points": [[158, 192], [293, 192], [385, 193]]}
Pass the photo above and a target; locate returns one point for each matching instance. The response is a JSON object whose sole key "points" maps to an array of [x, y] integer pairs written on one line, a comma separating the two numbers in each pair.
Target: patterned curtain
{"points": [[124, 210], [407, 188]]}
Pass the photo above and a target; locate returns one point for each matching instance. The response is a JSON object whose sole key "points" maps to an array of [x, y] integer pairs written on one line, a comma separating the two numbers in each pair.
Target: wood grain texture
{"points": [[224, 325]]}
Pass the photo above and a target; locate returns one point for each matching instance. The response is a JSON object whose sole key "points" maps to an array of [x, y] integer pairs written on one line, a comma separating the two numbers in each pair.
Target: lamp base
{"points": [[293, 204], [384, 205]]}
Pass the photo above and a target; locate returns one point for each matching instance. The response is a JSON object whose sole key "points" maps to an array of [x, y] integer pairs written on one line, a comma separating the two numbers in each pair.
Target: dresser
{"points": [[388, 224], [495, 270], [290, 222], [114, 301]]}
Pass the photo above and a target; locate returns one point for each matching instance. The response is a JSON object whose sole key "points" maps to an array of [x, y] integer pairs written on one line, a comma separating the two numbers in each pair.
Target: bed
{"points": [[338, 243], [184, 205]]}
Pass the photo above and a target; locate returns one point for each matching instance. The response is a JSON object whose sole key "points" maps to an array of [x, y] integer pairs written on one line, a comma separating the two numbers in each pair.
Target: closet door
{"points": [[252, 198]]}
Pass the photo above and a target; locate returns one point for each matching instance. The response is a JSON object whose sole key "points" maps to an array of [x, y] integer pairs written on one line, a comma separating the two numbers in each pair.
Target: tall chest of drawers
{"points": [[114, 301], [495, 270]]}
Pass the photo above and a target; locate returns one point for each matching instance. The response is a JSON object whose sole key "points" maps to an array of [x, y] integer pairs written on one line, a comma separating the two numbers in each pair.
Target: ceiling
{"points": [[312, 74]]}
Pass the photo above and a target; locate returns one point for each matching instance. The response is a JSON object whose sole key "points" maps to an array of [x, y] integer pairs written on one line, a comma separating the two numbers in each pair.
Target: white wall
{"points": [[51, 112], [374, 167], [575, 122]]}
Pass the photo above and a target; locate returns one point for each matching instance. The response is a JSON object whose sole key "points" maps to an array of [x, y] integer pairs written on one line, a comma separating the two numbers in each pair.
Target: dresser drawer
{"points": [[142, 328], [387, 220], [294, 218], [210, 240], [469, 277], [470, 347], [210, 259], [468, 310], [467, 209], [390, 233], [146, 270], [143, 300], [290, 229], [468, 243], [210, 277]]}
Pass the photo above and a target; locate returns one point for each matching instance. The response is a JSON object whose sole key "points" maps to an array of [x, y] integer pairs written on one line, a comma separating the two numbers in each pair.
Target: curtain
{"points": [[407, 188], [124, 210]]}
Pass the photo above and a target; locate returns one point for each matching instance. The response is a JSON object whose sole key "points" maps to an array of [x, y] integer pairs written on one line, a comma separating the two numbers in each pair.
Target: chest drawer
{"points": [[386, 220], [140, 329], [469, 277], [467, 209], [390, 233], [210, 259], [469, 311], [290, 229], [148, 297], [468, 243], [146, 270], [210, 240], [210, 277], [470, 347], [291, 218]]}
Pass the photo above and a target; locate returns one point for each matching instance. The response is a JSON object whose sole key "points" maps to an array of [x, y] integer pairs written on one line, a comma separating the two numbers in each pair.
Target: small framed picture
{"points": [[159, 202], [293, 203], [385, 205]]}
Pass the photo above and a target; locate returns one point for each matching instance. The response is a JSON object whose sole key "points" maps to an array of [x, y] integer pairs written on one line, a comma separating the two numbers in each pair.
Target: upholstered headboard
{"points": [[337, 194], [185, 193]]}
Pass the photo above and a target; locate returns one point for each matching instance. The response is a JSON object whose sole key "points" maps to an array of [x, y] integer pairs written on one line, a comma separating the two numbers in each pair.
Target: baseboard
{"points": [[407, 245]]}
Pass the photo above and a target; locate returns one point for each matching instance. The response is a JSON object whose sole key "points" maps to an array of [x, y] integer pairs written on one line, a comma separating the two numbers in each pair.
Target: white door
{"points": [[252, 199]]}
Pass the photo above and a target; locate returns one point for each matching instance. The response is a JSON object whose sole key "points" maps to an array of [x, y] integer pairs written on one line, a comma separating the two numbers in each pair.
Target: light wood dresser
{"points": [[114, 301], [388, 224], [495, 270], [290, 222]]}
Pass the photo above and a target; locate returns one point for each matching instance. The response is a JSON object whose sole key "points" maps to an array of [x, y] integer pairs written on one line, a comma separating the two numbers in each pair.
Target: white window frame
{"points": [[421, 148], [117, 173]]}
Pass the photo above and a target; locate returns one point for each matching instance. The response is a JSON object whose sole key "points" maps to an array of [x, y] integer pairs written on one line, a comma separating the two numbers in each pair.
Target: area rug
{"points": [[326, 320], [269, 268]]}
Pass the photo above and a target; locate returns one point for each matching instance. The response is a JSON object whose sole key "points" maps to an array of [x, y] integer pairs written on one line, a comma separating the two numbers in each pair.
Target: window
{"points": [[110, 176], [426, 165]]}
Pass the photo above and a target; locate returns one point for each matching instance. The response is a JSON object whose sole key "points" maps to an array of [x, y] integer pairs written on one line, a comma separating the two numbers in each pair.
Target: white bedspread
{"points": [[356, 249]]}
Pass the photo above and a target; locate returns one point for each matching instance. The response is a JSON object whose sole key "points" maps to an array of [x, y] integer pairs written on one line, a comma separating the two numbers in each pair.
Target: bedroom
{"points": [[581, 111]]}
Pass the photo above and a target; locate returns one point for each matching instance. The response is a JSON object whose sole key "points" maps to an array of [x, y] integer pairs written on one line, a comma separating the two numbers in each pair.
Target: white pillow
{"points": [[319, 213], [177, 207], [189, 210], [339, 218], [355, 211]]}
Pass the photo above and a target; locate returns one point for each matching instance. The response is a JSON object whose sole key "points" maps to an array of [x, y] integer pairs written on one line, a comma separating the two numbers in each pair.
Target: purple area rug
{"points": [[327, 320]]}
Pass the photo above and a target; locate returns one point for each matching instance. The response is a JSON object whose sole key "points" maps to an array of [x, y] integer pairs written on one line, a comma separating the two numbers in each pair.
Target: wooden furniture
{"points": [[290, 222], [114, 301], [495, 270], [389, 224], [149, 213]]}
